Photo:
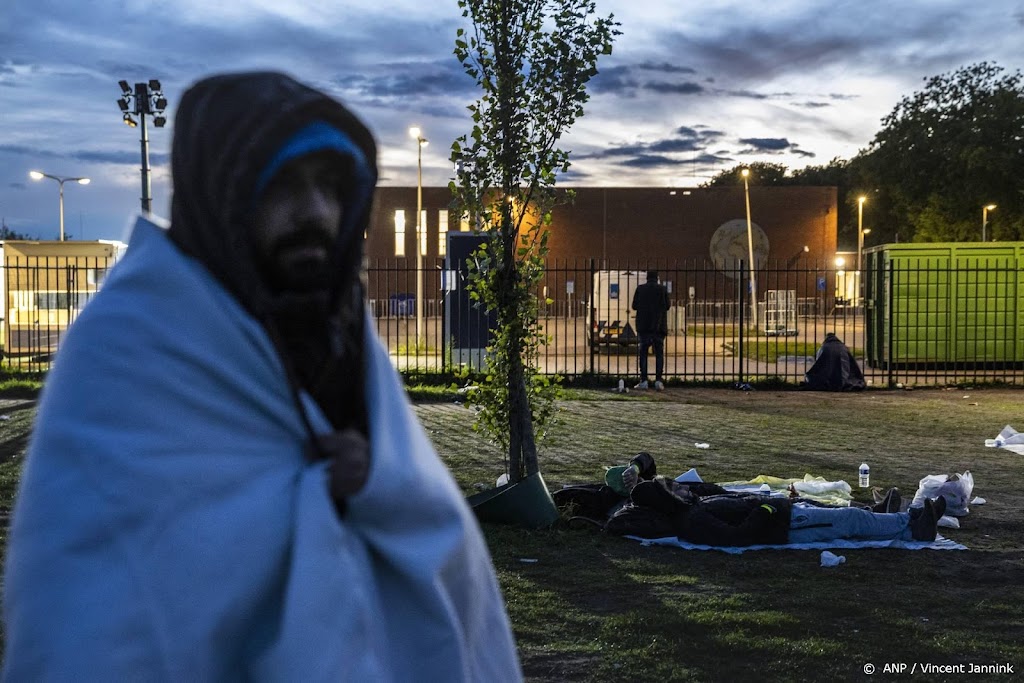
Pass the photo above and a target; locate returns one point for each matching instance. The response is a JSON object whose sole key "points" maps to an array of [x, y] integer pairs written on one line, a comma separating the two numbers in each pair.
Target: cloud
{"points": [[649, 161], [773, 146], [686, 88], [665, 67]]}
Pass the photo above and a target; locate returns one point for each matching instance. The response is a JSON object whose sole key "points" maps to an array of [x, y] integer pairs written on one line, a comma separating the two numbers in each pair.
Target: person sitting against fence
{"points": [[226, 480], [834, 369], [651, 303]]}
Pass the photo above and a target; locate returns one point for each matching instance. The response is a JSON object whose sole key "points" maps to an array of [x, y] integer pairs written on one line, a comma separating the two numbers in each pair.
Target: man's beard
{"points": [[299, 264]]}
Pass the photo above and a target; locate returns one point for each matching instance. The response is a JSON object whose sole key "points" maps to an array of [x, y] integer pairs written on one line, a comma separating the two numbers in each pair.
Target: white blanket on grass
{"points": [[939, 543]]}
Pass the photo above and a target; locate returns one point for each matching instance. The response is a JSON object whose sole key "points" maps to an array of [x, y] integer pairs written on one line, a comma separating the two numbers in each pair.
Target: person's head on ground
{"points": [[652, 276]]}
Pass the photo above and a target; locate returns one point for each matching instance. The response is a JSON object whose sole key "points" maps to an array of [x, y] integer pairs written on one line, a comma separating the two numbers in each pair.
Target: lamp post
{"points": [[148, 99], [39, 175], [421, 142], [750, 249], [860, 241], [984, 219]]}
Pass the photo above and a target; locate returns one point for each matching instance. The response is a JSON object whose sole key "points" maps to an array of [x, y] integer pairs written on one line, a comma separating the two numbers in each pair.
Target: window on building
{"points": [[399, 232], [442, 232], [464, 222]]}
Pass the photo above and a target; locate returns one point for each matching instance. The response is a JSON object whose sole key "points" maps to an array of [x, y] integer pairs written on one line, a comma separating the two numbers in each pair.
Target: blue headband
{"points": [[318, 137]]}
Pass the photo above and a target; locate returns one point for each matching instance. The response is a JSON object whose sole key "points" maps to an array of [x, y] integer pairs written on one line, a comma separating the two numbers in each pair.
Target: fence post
{"points": [[590, 319], [889, 303], [742, 283]]}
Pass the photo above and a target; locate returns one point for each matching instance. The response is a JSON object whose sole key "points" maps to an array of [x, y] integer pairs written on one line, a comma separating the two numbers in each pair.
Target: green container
{"points": [[945, 305], [527, 503]]}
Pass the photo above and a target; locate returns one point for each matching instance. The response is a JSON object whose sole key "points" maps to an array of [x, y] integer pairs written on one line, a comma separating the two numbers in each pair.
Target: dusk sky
{"points": [[693, 88]]}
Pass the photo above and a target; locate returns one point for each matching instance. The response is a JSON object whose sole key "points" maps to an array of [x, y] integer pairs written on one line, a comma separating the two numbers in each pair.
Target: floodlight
{"points": [[125, 87], [161, 103], [154, 84], [35, 175], [159, 121], [123, 104], [129, 120]]}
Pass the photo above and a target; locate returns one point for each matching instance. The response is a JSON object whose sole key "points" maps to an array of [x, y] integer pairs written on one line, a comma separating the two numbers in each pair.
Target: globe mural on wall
{"points": [[729, 246]]}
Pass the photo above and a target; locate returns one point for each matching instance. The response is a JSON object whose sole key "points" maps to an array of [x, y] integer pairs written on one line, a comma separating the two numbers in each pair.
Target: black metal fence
{"points": [[42, 296], [894, 324], [918, 323]]}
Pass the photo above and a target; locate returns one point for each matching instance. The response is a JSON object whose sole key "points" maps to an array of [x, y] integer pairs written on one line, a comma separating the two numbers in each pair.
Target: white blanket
{"points": [[170, 528]]}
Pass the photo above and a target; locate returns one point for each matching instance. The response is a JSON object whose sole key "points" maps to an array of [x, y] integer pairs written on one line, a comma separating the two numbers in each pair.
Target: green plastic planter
{"points": [[527, 504]]}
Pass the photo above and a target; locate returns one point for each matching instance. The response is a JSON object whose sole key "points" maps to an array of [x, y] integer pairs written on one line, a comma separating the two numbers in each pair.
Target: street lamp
{"points": [[860, 241], [984, 219], [750, 248], [39, 175], [421, 142], [147, 99]]}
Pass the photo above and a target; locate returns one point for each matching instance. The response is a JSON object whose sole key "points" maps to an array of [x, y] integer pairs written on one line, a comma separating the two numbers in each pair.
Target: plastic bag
{"points": [[955, 488]]}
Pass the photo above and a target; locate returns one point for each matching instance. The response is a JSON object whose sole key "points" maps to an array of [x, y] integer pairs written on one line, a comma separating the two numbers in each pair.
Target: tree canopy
{"points": [[941, 155], [948, 150]]}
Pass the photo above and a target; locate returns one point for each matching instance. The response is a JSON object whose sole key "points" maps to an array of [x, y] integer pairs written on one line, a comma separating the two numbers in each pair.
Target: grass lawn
{"points": [[597, 608]]}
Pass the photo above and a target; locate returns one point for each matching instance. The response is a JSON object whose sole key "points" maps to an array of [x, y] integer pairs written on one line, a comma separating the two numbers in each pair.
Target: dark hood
{"points": [[226, 131]]}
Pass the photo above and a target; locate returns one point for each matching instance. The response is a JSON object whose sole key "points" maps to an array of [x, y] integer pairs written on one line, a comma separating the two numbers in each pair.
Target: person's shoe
{"points": [[891, 502], [925, 525], [641, 385], [939, 504], [659, 386]]}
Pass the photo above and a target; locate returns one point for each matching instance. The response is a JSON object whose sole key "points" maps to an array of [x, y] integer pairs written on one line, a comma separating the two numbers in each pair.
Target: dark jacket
{"points": [[702, 513], [737, 520], [651, 303], [835, 368]]}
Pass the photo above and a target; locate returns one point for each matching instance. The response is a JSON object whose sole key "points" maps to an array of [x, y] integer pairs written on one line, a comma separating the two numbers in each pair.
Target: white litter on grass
{"points": [[528, 560], [5, 417], [978, 500], [949, 522], [689, 476], [502, 480], [829, 559], [1010, 439], [701, 444]]}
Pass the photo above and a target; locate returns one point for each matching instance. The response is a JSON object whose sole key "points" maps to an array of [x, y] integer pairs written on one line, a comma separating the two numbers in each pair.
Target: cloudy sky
{"points": [[692, 88]]}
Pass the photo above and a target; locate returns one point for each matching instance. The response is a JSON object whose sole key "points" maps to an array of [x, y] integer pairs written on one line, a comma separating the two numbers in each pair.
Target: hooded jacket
{"points": [[228, 131]]}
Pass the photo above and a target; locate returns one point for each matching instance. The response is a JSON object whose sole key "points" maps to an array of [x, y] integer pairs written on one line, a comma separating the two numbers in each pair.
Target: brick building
{"points": [[629, 228], [617, 224]]}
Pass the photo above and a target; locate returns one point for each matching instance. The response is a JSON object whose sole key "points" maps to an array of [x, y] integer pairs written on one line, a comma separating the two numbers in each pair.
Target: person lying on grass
{"points": [[641, 503]]}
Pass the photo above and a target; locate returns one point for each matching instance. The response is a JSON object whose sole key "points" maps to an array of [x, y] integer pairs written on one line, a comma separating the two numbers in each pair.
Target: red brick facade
{"points": [[638, 223]]}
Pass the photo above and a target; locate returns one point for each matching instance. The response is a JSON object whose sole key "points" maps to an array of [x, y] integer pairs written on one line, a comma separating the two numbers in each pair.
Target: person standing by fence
{"points": [[651, 303]]}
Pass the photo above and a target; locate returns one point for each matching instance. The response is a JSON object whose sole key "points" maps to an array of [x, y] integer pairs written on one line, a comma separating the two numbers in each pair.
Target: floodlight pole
{"points": [[147, 187], [148, 99]]}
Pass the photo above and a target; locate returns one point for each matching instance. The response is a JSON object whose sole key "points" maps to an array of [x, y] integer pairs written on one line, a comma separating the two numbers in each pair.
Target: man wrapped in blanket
{"points": [[226, 481]]}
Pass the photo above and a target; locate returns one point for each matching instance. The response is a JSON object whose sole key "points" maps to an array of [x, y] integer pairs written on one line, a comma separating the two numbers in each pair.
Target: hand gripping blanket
{"points": [[169, 527]]}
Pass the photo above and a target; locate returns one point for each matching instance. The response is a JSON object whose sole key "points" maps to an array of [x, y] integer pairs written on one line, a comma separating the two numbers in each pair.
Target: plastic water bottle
{"points": [[865, 475]]}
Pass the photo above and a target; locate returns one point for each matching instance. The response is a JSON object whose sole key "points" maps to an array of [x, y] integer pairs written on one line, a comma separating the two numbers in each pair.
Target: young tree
{"points": [[532, 60]]}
